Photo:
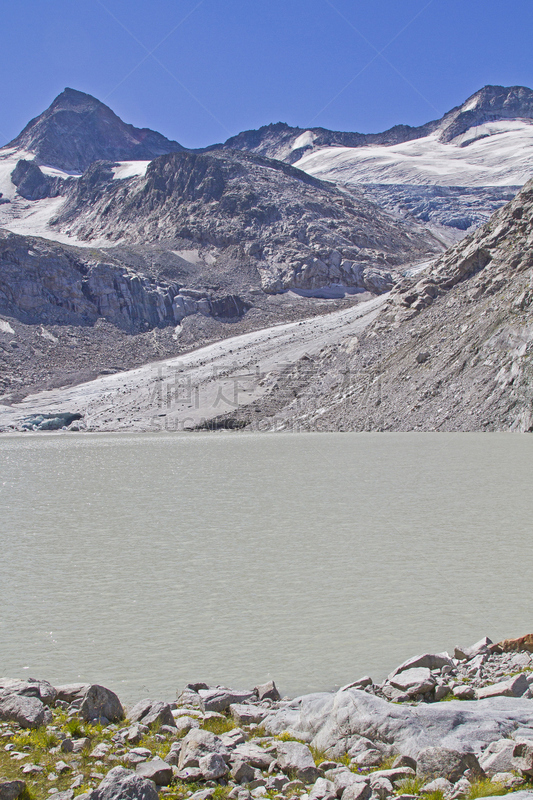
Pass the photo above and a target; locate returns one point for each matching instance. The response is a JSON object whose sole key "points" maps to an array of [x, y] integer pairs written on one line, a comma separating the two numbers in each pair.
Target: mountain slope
{"points": [[286, 228], [451, 351], [78, 129]]}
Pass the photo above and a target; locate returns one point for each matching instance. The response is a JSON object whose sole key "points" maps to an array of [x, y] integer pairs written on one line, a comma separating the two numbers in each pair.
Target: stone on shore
{"points": [[28, 712], [253, 755], [42, 690], [247, 714], [417, 680], [220, 698], [197, 744], [467, 653], [152, 713], [124, 784], [212, 766], [297, 758], [155, 770], [441, 762], [514, 687], [323, 790], [267, 691], [98, 704]]}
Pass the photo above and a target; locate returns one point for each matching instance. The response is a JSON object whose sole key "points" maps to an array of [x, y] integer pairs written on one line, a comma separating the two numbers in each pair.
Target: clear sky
{"points": [[199, 71]]}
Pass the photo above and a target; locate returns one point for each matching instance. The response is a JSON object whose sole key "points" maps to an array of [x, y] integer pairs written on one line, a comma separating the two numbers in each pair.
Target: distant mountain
{"points": [[290, 144], [78, 129]]}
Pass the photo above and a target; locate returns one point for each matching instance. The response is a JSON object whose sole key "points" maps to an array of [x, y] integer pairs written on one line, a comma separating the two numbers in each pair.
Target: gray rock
{"points": [[253, 755], [294, 757], [241, 772], [173, 756], [323, 790], [335, 722], [197, 744], [247, 714], [267, 691], [466, 653], [498, 757], [441, 762], [366, 680], [234, 737], [367, 758], [152, 713], [155, 770], [10, 790], [417, 680], [523, 757], [71, 691], [514, 687], [381, 787], [464, 692], [185, 724], [438, 785], [28, 712], [394, 775], [276, 783], [43, 690], [404, 761], [220, 699], [212, 766], [124, 784], [428, 660], [357, 791], [97, 702]]}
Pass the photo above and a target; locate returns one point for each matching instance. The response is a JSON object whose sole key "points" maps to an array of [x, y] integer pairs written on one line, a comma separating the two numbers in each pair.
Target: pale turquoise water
{"points": [[147, 561]]}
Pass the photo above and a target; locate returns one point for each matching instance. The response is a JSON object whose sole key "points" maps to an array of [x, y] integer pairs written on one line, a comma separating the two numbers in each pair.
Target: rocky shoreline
{"points": [[440, 727]]}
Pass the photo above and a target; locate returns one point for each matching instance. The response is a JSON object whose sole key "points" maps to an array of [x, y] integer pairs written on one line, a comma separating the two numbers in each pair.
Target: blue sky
{"points": [[202, 70]]}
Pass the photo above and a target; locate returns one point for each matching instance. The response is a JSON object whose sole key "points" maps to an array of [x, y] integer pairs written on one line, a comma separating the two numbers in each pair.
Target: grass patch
{"points": [[485, 788], [218, 725], [410, 785], [438, 794]]}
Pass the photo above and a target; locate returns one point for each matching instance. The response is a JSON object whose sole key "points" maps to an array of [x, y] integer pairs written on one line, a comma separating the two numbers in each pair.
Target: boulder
{"points": [[466, 653], [99, 703], [381, 787], [241, 772], [185, 724], [220, 699], [124, 784], [197, 744], [152, 713], [357, 791], [267, 691], [212, 766], [69, 692], [498, 757], [441, 762], [366, 680], [523, 757], [334, 723], [428, 660], [342, 777], [464, 692], [253, 755], [514, 687], [523, 643], [367, 758], [323, 790], [438, 785], [297, 758], [43, 690], [156, 770], [417, 680], [246, 714], [28, 712], [404, 761], [10, 790], [394, 775]]}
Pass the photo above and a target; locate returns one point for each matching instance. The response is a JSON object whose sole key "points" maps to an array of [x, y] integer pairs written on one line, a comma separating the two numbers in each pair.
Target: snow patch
{"points": [[471, 105], [5, 327], [304, 140], [130, 169], [503, 156]]}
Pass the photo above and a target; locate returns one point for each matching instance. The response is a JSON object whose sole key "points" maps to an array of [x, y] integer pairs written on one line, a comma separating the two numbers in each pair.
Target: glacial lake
{"points": [[143, 562]]}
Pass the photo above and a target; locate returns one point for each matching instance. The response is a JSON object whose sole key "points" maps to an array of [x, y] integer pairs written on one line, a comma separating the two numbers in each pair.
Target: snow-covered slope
{"points": [[496, 153]]}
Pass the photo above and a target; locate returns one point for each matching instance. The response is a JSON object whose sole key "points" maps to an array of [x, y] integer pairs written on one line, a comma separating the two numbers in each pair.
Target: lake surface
{"points": [[147, 561]]}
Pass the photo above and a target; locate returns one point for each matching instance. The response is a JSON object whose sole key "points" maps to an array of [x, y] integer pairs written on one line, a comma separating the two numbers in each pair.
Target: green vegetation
{"points": [[485, 788]]}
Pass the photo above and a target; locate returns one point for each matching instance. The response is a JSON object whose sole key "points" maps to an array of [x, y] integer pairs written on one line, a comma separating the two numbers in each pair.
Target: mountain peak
{"points": [[487, 105], [77, 129]]}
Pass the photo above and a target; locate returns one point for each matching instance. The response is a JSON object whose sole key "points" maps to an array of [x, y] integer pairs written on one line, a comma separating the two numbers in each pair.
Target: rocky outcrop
{"points": [[43, 282], [78, 129], [295, 231]]}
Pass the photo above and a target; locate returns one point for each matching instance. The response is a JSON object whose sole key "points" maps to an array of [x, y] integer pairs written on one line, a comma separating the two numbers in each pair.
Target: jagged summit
{"points": [[78, 129]]}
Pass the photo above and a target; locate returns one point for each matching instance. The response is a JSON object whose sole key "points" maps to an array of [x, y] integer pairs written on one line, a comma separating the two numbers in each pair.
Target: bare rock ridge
{"points": [[287, 143], [292, 230], [78, 129]]}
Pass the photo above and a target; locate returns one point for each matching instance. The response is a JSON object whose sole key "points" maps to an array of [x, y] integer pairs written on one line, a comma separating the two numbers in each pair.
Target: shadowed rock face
{"points": [[78, 129], [297, 231]]}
